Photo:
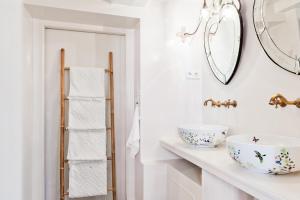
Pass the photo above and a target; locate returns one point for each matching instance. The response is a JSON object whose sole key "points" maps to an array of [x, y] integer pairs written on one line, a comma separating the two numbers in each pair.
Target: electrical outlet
{"points": [[194, 75]]}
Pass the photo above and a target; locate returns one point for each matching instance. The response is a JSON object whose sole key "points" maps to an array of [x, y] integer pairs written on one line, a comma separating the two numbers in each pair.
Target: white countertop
{"points": [[218, 162]]}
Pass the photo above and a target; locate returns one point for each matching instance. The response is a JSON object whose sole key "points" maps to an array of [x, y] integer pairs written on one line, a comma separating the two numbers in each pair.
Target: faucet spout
{"points": [[209, 100], [278, 100]]}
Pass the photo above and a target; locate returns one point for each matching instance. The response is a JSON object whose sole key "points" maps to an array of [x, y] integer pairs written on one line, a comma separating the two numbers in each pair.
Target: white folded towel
{"points": [[86, 114], [133, 142], [87, 82], [87, 178], [87, 145]]}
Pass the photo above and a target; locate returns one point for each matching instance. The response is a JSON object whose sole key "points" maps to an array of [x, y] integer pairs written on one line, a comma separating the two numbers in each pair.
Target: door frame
{"points": [[38, 135]]}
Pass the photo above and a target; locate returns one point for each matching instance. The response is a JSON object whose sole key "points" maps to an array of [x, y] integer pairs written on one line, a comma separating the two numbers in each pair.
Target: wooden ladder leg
{"points": [[112, 121], [62, 124]]}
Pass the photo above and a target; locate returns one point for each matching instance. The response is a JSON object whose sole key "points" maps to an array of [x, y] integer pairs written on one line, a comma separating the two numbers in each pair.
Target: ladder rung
{"points": [[108, 71], [67, 99], [108, 158], [66, 129], [109, 190]]}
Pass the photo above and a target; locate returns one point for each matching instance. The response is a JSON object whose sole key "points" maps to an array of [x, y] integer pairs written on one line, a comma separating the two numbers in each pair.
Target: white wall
{"points": [[168, 99], [27, 90], [15, 103], [256, 80]]}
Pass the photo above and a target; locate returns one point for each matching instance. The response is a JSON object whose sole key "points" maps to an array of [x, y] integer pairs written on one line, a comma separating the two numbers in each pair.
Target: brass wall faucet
{"points": [[280, 100], [218, 104]]}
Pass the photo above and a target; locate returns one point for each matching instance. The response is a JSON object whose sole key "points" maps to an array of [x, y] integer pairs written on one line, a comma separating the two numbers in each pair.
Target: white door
{"points": [[82, 49]]}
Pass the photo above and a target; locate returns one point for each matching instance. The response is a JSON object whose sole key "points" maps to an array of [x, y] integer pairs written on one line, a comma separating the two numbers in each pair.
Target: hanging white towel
{"points": [[87, 145], [87, 82], [87, 178], [86, 114], [133, 142]]}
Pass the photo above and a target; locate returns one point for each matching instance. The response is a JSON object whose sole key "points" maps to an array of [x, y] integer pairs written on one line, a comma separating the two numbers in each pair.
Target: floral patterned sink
{"points": [[266, 154], [203, 135]]}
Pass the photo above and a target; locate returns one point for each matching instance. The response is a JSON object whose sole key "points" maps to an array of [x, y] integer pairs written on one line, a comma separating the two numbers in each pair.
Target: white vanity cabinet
{"points": [[186, 181], [221, 178], [216, 189], [183, 181]]}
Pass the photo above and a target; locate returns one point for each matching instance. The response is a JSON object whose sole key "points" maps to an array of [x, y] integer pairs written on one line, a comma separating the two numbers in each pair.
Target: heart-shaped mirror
{"points": [[223, 41]]}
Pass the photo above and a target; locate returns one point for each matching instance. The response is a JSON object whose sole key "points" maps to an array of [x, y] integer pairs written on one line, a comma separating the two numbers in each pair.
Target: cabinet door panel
{"points": [[214, 188], [180, 187]]}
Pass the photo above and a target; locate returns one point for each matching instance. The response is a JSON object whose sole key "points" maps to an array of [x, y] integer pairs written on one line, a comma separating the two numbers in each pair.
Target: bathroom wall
{"points": [[28, 105], [168, 99], [256, 80], [15, 81]]}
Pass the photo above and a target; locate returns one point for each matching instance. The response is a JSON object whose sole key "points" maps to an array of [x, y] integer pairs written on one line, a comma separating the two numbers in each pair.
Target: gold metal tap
{"points": [[218, 104], [280, 100]]}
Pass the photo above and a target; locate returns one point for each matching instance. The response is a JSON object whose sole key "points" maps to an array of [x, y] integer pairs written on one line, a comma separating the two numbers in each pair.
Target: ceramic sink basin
{"points": [[203, 135], [266, 154]]}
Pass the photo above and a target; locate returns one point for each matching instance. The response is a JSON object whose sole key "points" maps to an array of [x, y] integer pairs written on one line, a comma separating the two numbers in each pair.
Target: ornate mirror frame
{"points": [[273, 51], [214, 21]]}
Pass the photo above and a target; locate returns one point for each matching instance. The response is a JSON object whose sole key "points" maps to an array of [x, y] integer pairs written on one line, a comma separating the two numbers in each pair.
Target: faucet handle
{"points": [[297, 103], [234, 103], [227, 103]]}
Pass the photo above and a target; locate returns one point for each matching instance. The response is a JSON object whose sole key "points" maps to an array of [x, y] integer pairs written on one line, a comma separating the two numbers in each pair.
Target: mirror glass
{"points": [[223, 40], [278, 29]]}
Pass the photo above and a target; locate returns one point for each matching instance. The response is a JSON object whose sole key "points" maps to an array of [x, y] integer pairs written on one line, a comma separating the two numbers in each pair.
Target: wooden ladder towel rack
{"points": [[63, 99]]}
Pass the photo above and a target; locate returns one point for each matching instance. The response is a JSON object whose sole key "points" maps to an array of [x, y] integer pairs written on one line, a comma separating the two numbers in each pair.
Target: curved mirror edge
{"points": [[273, 52], [226, 77]]}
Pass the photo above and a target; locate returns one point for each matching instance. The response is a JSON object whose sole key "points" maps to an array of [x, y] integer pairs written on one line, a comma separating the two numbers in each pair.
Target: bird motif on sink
{"points": [[260, 156]]}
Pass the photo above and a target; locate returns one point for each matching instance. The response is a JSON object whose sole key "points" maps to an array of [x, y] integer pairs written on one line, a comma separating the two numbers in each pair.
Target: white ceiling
{"points": [[130, 2]]}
